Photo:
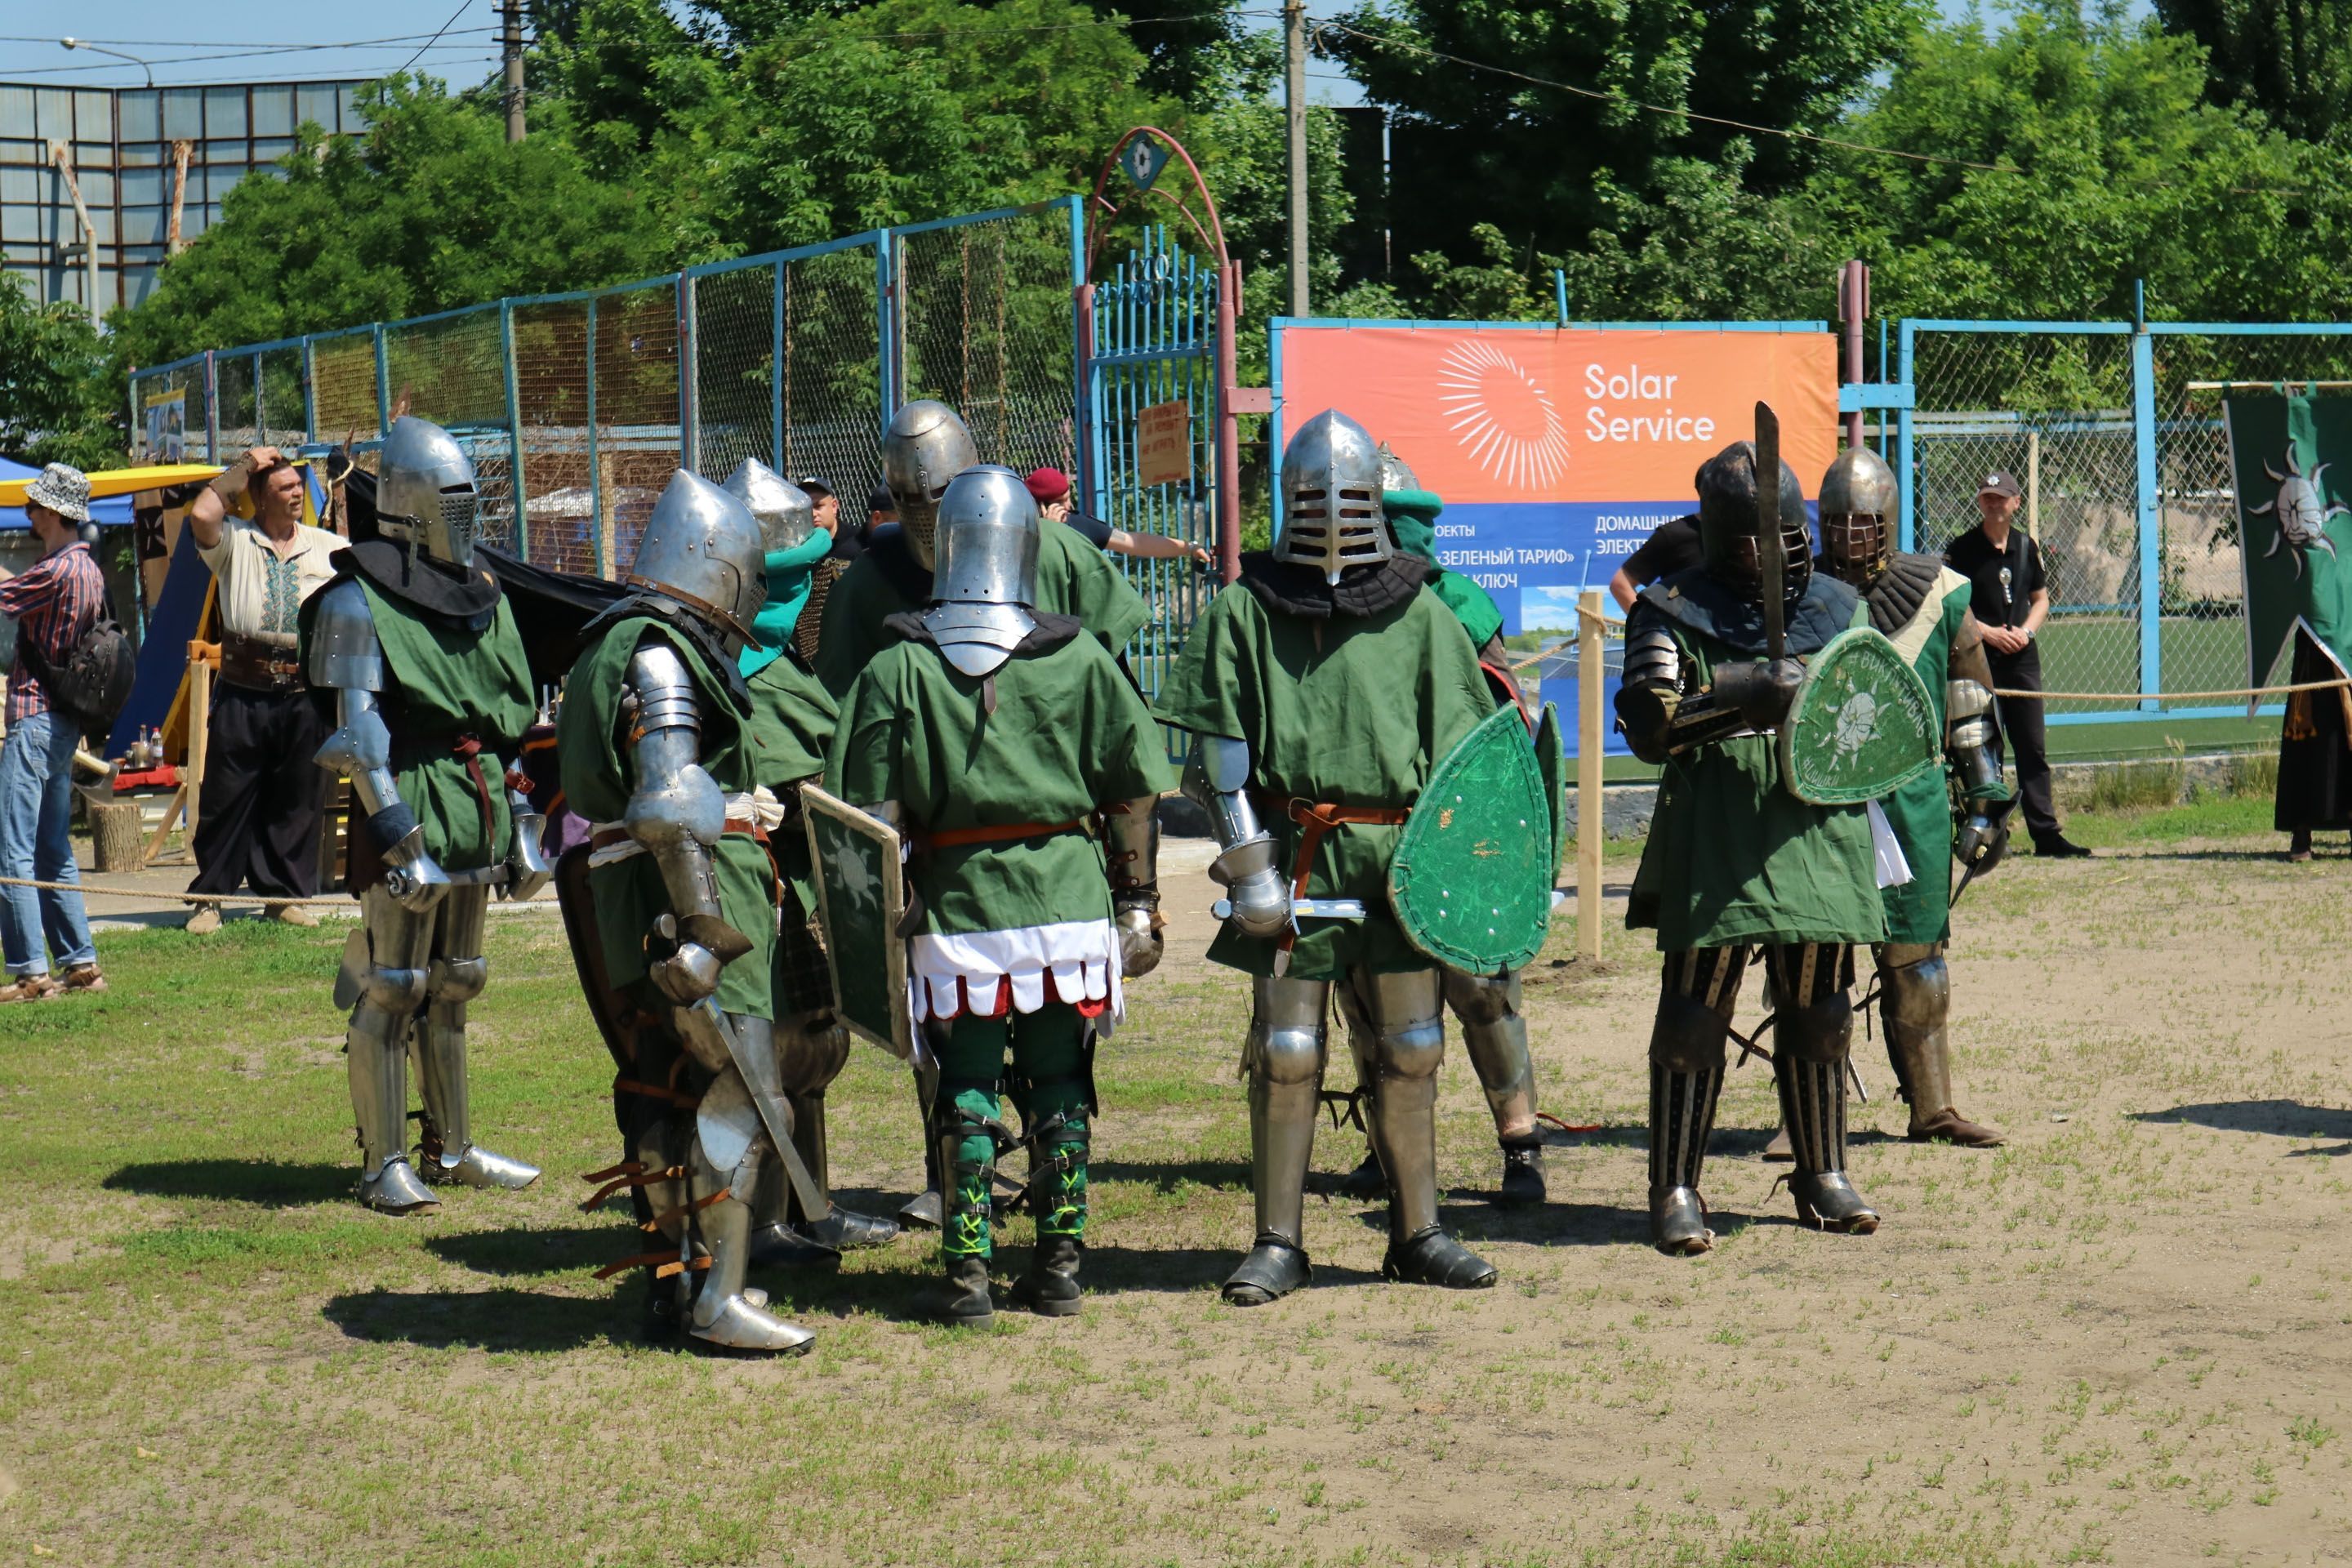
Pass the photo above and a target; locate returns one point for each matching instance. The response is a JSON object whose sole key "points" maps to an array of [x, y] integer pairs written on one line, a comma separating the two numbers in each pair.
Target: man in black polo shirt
{"points": [[1670, 548], [2012, 600]]}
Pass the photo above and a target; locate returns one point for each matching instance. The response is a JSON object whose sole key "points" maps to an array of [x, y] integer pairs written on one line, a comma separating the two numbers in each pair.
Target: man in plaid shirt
{"points": [[53, 603]]}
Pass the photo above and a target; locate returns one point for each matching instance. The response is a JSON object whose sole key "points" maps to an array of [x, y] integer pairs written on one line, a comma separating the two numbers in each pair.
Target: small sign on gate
{"points": [[1163, 442]]}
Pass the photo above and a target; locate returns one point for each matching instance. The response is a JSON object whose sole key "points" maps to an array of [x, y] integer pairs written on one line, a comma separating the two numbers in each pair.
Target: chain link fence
{"points": [[576, 408]]}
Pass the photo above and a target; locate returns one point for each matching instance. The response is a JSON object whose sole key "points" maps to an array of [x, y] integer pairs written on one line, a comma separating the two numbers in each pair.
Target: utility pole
{"points": [[512, 13], [1294, 25]]}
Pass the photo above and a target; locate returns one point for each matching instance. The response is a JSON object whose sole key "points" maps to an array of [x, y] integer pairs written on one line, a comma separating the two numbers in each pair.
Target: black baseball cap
{"points": [[813, 485], [882, 499], [2000, 484]]}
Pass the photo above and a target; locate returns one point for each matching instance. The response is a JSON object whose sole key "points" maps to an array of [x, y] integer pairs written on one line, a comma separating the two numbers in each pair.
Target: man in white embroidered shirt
{"points": [[257, 815]]}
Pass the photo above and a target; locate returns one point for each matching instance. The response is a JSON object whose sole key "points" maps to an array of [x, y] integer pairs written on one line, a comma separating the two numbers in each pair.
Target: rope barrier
{"points": [[2338, 684], [150, 895]]}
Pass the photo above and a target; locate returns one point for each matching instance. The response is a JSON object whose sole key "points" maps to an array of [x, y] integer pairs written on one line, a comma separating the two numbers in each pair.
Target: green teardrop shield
{"points": [[1863, 725], [1551, 766], [1471, 878]]}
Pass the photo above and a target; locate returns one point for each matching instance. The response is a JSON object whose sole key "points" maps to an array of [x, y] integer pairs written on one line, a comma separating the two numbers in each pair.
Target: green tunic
{"points": [[595, 765], [1074, 578], [1355, 710], [1413, 517], [446, 684], [1069, 734], [1733, 857], [791, 727], [1920, 813]]}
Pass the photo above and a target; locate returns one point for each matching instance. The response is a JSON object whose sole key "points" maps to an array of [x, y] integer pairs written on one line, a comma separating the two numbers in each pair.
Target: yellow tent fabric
{"points": [[122, 481]]}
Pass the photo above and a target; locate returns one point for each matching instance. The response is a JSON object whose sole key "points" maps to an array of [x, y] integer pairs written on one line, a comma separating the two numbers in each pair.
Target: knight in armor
{"points": [[995, 735], [1493, 1031], [1736, 862], [791, 726], [1922, 605], [416, 645], [926, 446], [1321, 690], [658, 739]]}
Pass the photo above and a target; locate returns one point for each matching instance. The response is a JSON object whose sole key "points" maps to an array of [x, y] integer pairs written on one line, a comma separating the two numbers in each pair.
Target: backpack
{"points": [[91, 685]]}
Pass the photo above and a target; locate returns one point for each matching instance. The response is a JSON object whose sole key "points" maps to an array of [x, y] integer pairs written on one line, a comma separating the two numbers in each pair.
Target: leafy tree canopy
{"points": [[57, 403], [2288, 61]]}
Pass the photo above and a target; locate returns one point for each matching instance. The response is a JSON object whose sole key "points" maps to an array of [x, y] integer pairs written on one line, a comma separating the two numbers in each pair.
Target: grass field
{"points": [[2122, 1339]]}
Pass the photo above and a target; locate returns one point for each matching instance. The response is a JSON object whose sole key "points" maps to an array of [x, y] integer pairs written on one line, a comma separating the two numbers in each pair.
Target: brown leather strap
{"points": [[1315, 818], [469, 747], [994, 833], [605, 837]]}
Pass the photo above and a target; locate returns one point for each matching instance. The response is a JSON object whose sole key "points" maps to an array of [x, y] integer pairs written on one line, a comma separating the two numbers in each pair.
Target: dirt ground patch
{"points": [[2121, 1339]]}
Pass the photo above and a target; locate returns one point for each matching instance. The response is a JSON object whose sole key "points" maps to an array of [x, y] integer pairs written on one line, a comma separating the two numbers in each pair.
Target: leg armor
{"points": [[923, 1211], [1404, 1018], [1495, 1037], [1286, 1055], [1050, 1051], [1914, 990], [386, 960], [730, 1145], [812, 1052], [1700, 989], [456, 975], [965, 1130], [1813, 1034]]}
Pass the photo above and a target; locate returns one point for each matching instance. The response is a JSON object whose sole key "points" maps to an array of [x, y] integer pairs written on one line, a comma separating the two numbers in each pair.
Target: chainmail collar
{"points": [[462, 599], [1901, 589], [698, 633], [1694, 599], [1293, 588]]}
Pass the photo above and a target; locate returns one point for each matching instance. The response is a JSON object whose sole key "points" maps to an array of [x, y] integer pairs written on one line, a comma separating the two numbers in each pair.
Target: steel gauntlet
{"points": [[1216, 778]]}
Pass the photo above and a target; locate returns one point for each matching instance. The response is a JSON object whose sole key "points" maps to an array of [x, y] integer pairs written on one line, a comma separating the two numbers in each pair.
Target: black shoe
{"points": [[779, 1246], [1050, 1287], [847, 1230], [967, 1303], [1523, 1175], [1272, 1270], [1367, 1181], [1434, 1257], [2058, 847]]}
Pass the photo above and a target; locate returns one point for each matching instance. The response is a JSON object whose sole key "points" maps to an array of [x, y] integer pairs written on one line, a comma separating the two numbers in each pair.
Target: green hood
{"points": [[1413, 517]]}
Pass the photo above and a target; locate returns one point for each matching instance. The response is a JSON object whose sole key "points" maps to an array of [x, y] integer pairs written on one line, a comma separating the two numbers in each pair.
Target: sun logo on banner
{"points": [[1502, 417]]}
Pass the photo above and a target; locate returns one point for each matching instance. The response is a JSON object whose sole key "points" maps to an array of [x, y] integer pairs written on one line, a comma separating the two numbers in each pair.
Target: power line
{"points": [[445, 26], [227, 44]]}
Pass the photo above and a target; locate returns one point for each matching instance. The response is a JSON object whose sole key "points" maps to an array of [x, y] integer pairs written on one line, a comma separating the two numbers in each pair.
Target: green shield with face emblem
{"points": [[1861, 726], [1551, 766], [1470, 879]]}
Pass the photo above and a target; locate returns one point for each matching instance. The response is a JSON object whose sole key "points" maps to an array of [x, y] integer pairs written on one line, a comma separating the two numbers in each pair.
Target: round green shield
{"points": [[1470, 879], [1861, 726]]}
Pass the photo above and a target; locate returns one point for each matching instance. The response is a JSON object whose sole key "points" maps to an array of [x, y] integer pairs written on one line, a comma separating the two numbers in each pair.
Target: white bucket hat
{"points": [[64, 489]]}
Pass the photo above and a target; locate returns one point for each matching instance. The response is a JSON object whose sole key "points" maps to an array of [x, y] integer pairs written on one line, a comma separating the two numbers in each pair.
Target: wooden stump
{"points": [[116, 836]]}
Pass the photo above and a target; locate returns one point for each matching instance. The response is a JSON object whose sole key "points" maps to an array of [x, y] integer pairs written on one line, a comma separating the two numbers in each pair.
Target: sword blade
{"points": [[1770, 553]]}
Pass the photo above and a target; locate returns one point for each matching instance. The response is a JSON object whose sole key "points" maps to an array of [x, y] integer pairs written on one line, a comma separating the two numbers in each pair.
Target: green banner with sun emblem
{"points": [[2291, 455], [1861, 726]]}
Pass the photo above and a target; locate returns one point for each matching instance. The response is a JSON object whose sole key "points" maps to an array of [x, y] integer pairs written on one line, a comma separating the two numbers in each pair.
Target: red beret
{"points": [[1049, 485]]}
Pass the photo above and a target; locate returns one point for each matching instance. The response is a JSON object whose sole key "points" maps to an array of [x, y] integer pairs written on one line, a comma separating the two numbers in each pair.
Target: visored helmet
{"points": [[1859, 504], [984, 584], [702, 547], [785, 512], [1727, 522], [425, 491], [1331, 482], [925, 449]]}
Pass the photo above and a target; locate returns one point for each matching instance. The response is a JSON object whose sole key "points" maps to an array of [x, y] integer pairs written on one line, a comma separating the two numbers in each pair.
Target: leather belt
{"points": [[263, 666], [1315, 818], [996, 833]]}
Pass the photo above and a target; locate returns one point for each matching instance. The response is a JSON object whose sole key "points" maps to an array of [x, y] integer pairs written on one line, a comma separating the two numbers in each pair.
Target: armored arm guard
{"points": [[1968, 747], [527, 868], [1661, 720], [1216, 779], [1132, 832], [346, 657], [677, 814]]}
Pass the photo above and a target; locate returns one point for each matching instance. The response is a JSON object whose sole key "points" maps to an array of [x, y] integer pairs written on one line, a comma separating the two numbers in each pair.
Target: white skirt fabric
{"points": [[944, 972], [1893, 870]]}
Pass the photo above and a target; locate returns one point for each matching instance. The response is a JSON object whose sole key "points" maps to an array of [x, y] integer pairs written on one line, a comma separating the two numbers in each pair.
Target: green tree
{"points": [[57, 402], [2288, 61]]}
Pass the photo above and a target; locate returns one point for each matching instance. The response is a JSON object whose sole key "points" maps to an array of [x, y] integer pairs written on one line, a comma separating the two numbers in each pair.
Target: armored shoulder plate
{"points": [[344, 653], [1903, 590], [661, 690]]}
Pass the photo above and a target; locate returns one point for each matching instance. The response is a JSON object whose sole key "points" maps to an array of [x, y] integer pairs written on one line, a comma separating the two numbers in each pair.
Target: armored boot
{"points": [[965, 1147], [1286, 1078], [1914, 1002], [726, 1313], [449, 1153], [1810, 1070], [1057, 1197], [776, 1241], [1686, 1063], [1408, 1043], [384, 975], [1495, 1035], [839, 1230]]}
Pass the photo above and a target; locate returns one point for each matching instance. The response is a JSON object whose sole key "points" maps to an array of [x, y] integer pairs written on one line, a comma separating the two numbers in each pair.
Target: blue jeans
{"points": [[36, 811]]}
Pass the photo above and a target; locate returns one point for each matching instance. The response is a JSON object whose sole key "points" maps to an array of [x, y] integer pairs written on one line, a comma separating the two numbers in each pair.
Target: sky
{"points": [[171, 35]]}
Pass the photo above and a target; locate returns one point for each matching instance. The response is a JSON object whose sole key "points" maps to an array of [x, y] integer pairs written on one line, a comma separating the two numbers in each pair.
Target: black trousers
{"points": [[257, 815], [2022, 730]]}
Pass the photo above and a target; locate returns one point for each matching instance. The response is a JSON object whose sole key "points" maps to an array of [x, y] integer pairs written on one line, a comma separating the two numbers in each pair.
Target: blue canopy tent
{"points": [[114, 511]]}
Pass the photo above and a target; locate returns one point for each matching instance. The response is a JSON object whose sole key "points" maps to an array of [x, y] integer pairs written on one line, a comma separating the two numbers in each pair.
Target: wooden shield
{"points": [[1471, 878], [1861, 726]]}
